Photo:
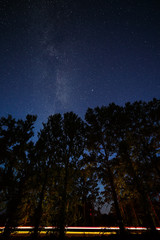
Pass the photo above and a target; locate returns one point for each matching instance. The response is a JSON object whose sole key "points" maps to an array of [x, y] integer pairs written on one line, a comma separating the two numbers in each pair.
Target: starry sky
{"points": [[68, 55]]}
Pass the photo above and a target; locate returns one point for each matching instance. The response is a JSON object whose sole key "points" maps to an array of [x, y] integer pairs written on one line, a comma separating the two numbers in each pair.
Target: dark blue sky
{"points": [[68, 55]]}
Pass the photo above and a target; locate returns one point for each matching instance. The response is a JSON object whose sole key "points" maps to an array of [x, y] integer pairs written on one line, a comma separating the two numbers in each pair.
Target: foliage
{"points": [[55, 181], [15, 165]]}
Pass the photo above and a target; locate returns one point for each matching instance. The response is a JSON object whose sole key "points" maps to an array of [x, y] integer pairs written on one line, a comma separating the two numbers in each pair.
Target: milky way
{"points": [[61, 55]]}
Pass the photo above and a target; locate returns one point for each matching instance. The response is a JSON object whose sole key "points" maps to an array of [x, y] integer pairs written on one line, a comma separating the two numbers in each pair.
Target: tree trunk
{"points": [[135, 215], [38, 211], [115, 199], [15, 199], [144, 200], [153, 209], [64, 201]]}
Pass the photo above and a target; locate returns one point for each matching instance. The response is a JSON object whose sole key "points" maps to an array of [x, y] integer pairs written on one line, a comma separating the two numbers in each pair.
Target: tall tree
{"points": [[103, 134], [64, 145], [15, 142], [88, 189], [137, 152]]}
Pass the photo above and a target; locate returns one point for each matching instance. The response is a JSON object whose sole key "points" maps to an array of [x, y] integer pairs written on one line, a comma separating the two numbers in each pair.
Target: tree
{"points": [[63, 143], [137, 154], [88, 189], [103, 133], [15, 146]]}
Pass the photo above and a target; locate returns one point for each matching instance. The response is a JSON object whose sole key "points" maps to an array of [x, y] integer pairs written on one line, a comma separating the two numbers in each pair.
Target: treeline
{"points": [[55, 181]]}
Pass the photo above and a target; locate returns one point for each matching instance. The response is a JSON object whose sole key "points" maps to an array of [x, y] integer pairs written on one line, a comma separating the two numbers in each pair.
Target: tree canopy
{"points": [[75, 166]]}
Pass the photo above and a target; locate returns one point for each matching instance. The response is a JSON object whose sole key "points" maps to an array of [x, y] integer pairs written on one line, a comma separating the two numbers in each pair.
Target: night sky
{"points": [[68, 55]]}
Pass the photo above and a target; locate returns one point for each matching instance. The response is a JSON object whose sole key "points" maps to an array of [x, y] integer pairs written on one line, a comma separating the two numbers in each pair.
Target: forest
{"points": [[76, 165]]}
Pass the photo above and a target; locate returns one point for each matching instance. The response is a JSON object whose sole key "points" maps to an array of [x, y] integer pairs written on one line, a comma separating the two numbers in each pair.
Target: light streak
{"points": [[89, 233], [103, 230]]}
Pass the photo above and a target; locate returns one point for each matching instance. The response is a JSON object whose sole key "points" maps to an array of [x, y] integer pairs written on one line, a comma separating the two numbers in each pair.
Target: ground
{"points": [[146, 236]]}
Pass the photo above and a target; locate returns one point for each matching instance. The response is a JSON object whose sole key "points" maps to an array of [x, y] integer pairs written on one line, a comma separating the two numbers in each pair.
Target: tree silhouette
{"points": [[136, 154], [63, 143], [54, 181], [15, 165], [103, 136]]}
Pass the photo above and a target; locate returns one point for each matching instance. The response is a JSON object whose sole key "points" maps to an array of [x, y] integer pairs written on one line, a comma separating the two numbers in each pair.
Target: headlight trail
{"points": [[73, 231]]}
